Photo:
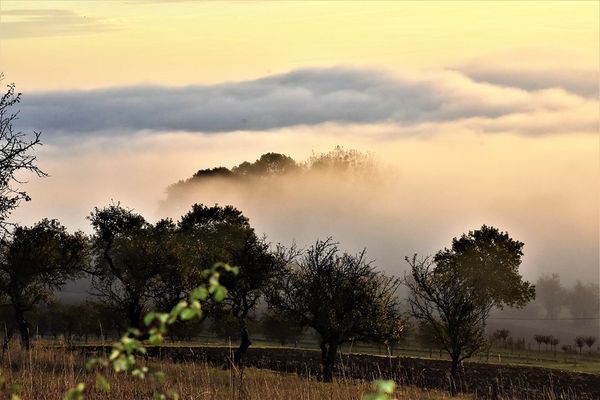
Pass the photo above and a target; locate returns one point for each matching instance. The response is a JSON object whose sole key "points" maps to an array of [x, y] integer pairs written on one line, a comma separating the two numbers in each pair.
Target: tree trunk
{"points": [[244, 345], [135, 314], [23, 329], [454, 375], [328, 357]]}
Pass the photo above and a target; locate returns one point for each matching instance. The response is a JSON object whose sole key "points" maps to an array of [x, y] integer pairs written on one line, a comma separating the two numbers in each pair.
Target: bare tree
{"points": [[341, 296], [16, 155], [449, 305]]}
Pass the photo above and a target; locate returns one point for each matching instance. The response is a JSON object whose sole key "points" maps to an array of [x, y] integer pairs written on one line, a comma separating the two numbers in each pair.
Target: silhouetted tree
{"points": [[448, 303], [15, 155], [35, 261], [267, 164], [341, 296], [223, 234], [488, 261], [130, 254]]}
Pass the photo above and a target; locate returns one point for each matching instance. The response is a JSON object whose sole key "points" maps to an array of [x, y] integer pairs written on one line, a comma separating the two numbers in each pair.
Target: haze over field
{"points": [[470, 123]]}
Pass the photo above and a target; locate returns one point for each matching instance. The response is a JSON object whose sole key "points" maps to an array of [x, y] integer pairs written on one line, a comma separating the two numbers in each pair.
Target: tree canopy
{"points": [[34, 262], [489, 260]]}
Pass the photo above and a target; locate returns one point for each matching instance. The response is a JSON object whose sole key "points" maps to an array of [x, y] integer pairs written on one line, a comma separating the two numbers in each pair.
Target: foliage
{"points": [[15, 155], [35, 261], [488, 261], [384, 390], [130, 254], [341, 296]]}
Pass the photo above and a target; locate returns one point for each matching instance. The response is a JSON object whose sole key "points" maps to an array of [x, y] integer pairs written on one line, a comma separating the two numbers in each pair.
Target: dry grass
{"points": [[45, 374]]}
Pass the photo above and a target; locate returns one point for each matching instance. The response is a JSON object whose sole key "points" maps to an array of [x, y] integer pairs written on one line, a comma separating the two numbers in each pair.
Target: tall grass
{"points": [[46, 373]]}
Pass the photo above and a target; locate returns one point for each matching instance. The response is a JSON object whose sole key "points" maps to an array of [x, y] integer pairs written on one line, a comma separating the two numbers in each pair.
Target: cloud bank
{"points": [[310, 97]]}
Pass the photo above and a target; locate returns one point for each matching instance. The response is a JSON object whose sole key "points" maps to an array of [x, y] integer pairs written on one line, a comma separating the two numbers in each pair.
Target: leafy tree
{"points": [[448, 303], [34, 262], [15, 155], [488, 261], [130, 254], [214, 234], [341, 296], [550, 294]]}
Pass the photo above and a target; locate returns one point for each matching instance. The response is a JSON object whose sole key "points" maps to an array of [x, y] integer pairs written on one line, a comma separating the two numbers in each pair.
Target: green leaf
{"points": [[148, 318], [200, 293], [387, 387], [220, 293], [188, 313], [102, 384]]}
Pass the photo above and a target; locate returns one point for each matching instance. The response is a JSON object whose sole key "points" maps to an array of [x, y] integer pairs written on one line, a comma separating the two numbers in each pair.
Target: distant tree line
{"points": [[579, 302]]}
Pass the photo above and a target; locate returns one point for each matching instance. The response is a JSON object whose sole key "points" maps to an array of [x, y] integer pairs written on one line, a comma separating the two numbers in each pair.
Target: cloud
{"points": [[28, 23], [584, 83], [310, 97]]}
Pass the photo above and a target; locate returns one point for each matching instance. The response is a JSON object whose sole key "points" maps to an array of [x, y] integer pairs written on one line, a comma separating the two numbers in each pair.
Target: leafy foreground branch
{"points": [[122, 359]]}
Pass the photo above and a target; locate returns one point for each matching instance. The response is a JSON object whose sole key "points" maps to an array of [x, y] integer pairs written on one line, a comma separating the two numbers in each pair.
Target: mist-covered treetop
{"points": [[276, 164]]}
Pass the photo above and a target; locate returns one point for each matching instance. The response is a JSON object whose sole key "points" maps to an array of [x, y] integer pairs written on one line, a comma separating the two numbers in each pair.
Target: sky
{"points": [[476, 113]]}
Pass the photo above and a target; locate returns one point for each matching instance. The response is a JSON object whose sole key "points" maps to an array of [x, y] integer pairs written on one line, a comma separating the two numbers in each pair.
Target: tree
{"points": [[554, 343], [448, 304], [582, 302], [580, 342], [130, 254], [539, 339], [501, 335], [268, 164], [34, 262], [488, 261], [550, 294], [15, 155], [341, 296], [589, 342], [223, 234]]}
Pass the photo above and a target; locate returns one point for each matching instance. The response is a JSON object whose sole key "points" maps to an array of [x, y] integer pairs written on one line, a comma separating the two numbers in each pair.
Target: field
{"points": [[482, 380], [46, 373]]}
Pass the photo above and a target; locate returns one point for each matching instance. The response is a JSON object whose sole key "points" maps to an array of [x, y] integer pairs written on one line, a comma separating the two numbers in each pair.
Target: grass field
{"points": [[45, 374]]}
